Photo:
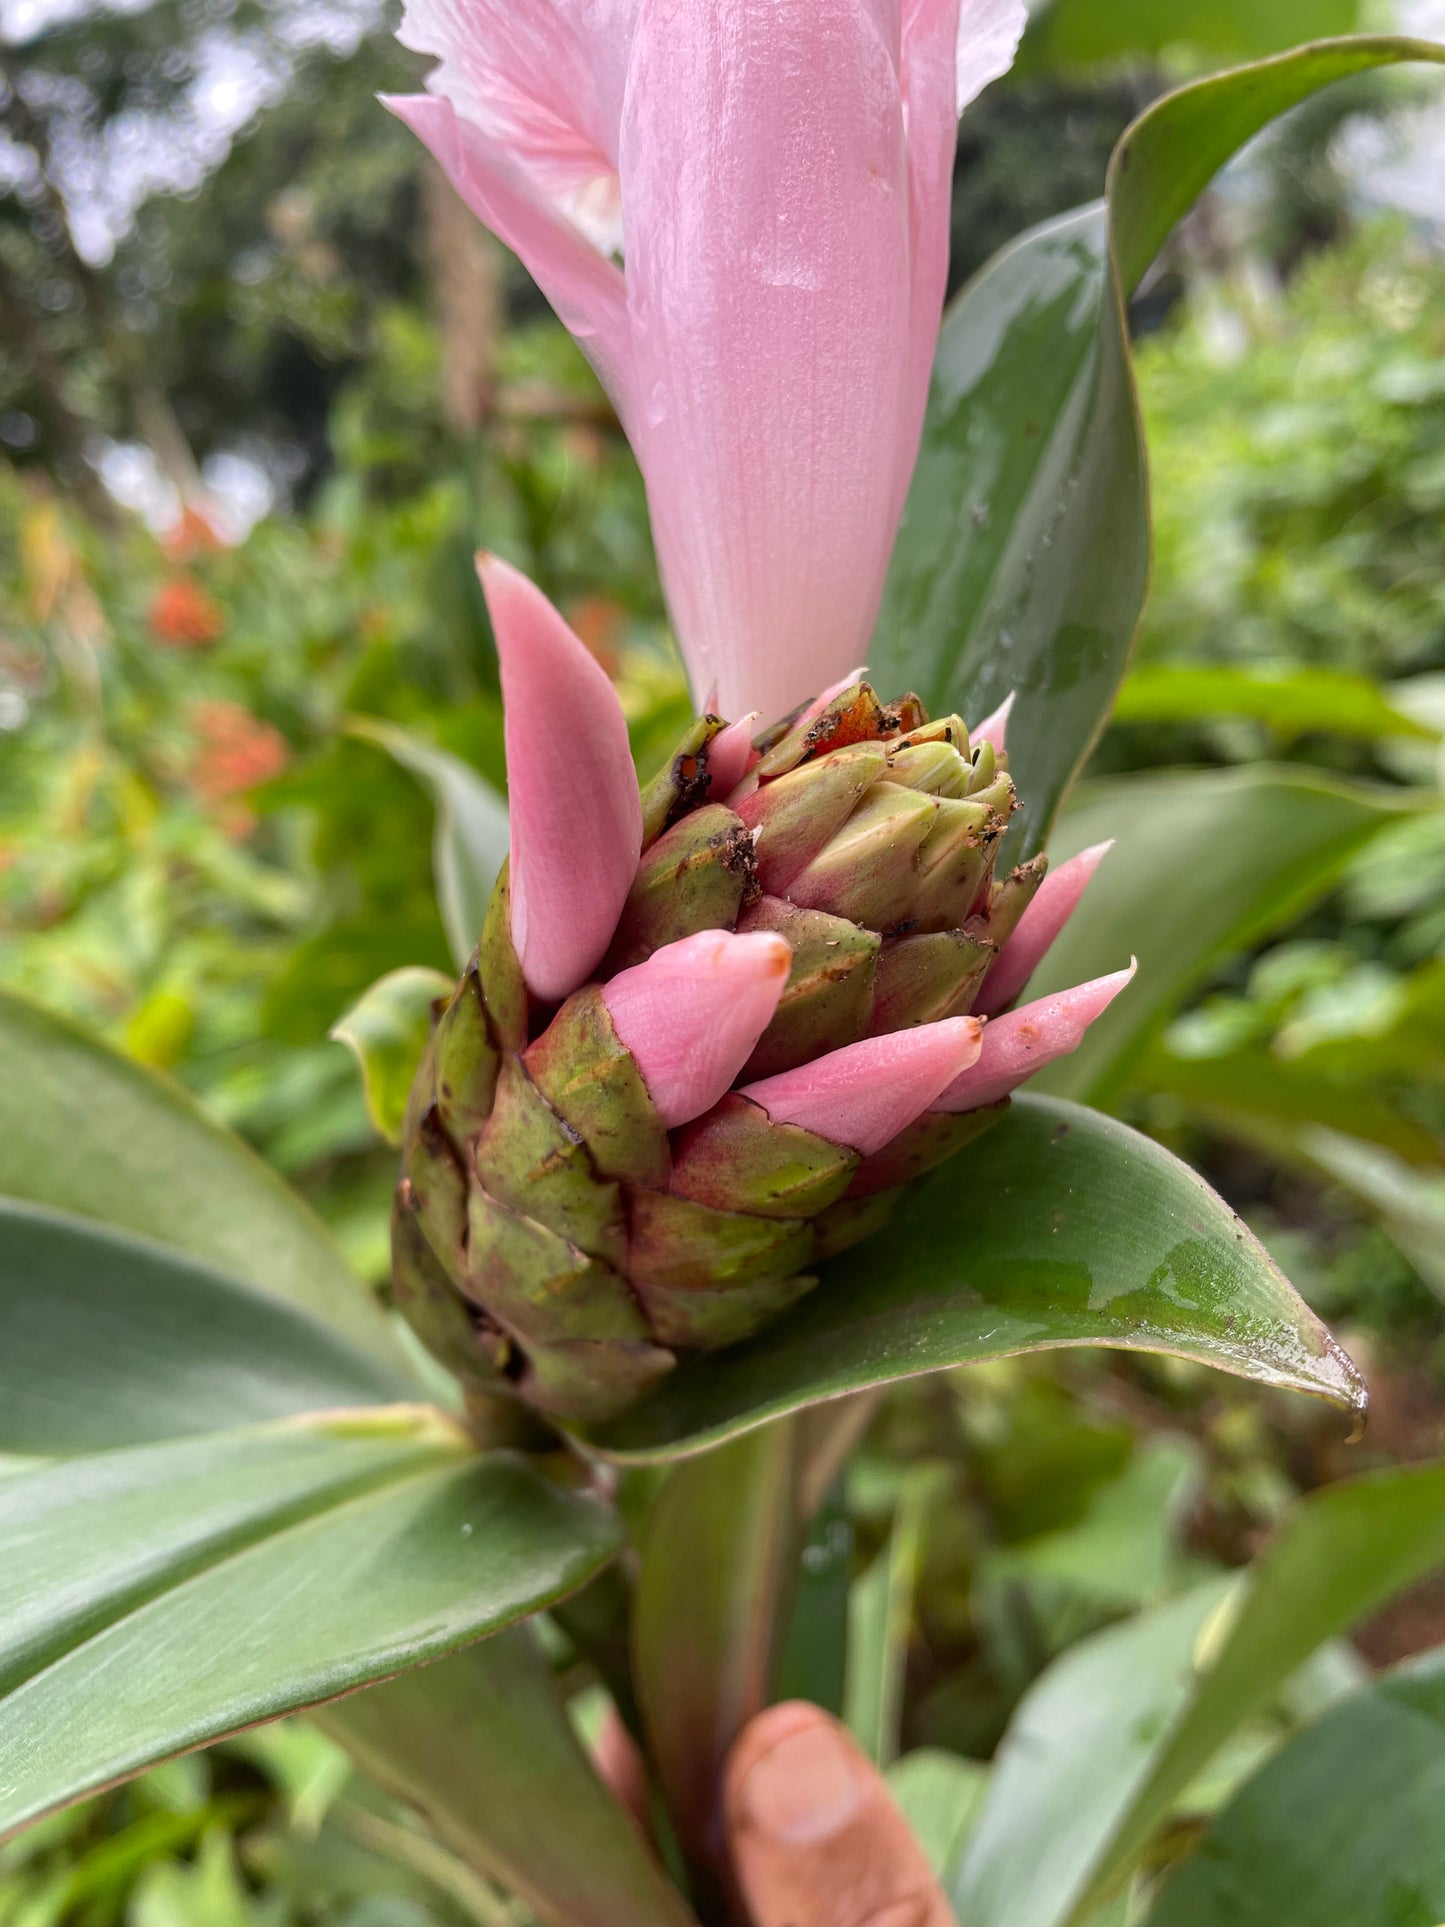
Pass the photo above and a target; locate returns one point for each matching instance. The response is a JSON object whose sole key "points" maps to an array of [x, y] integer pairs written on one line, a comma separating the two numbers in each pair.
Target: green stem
{"points": [[481, 1745], [718, 1566]]}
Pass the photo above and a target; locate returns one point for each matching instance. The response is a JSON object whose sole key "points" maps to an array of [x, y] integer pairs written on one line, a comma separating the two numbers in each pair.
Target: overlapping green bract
{"points": [[551, 1237]]}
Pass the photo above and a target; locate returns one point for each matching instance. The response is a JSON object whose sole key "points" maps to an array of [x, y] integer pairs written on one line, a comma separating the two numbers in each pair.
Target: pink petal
{"points": [[730, 753], [994, 729], [543, 80], [583, 286], [930, 43], [1057, 899], [863, 1095], [765, 183], [989, 32], [576, 811], [1017, 1046], [693, 1013]]}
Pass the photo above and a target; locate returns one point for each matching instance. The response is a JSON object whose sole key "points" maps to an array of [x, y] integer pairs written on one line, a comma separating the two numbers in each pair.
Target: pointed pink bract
{"points": [[576, 811], [693, 1012], [994, 729], [1017, 1046], [782, 172], [730, 755], [862, 1096], [1040, 924]]}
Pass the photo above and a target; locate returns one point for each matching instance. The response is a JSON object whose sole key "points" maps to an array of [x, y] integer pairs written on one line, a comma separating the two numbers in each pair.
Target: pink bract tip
{"points": [[730, 754], [576, 811], [1015, 1047], [863, 1095], [994, 729], [693, 1013], [1057, 899]]}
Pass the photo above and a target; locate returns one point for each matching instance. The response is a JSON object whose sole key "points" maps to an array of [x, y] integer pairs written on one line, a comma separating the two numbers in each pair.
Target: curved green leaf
{"points": [[1176, 147], [1139, 1254], [157, 1598], [1340, 1829], [1204, 863], [1023, 557], [482, 1746], [83, 1129], [112, 1340], [1081, 32], [387, 1030], [1113, 1732], [472, 830], [1022, 560]]}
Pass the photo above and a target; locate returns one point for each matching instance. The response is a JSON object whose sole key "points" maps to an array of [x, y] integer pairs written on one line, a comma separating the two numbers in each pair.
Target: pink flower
{"points": [[780, 170], [1019, 1045]]}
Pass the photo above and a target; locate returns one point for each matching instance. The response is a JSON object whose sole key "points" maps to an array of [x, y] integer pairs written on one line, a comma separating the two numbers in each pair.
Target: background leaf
{"points": [[85, 1130], [1340, 1829], [112, 1340], [1292, 701], [1140, 1254], [472, 830], [1112, 1734], [1205, 862], [184, 1594], [388, 1031]]}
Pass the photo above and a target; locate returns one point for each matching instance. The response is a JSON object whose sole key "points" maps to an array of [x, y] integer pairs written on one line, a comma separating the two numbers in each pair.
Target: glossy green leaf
{"points": [[1113, 1733], [1140, 1254], [482, 1746], [717, 1559], [472, 833], [388, 1031], [83, 1129], [1204, 863], [1341, 1829], [112, 1340], [157, 1598], [1292, 701], [1022, 559]]}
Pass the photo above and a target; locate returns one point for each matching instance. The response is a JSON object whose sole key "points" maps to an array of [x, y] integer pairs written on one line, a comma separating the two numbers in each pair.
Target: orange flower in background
{"points": [[235, 752], [183, 616]]}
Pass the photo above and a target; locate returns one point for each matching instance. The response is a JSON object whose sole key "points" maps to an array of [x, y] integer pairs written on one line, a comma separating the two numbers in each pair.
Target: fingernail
{"points": [[808, 1786]]}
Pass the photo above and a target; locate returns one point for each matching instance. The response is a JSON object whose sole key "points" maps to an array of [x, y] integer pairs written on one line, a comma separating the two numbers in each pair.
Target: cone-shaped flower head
{"points": [[781, 171], [576, 818], [718, 1028]]}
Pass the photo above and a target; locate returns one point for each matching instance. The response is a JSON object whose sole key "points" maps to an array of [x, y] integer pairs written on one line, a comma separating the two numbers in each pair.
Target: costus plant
{"points": [[721, 1129]]}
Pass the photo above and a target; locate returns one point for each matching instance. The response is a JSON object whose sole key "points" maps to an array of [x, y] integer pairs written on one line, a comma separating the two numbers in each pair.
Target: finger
{"points": [[816, 1837]]}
